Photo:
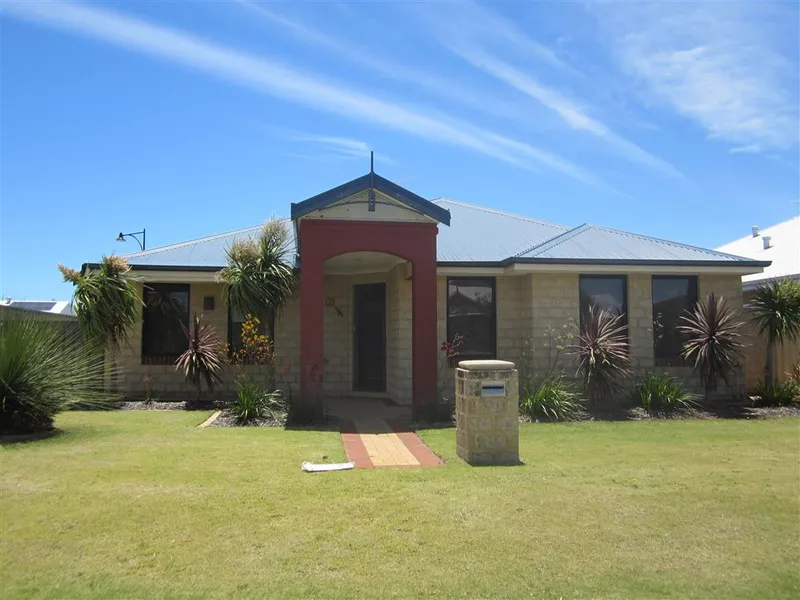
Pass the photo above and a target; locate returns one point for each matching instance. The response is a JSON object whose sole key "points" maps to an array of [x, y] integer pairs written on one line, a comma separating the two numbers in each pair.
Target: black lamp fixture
{"points": [[121, 237]]}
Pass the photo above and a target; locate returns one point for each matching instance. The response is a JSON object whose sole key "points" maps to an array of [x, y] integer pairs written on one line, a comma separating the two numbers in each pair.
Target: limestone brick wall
{"points": [[399, 336], [163, 380], [166, 383], [512, 297], [553, 305]]}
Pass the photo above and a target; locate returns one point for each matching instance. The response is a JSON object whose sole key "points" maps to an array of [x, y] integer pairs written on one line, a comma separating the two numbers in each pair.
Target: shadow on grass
{"points": [[28, 438]]}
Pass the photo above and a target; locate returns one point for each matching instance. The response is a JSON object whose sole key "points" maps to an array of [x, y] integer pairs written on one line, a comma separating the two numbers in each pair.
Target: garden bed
{"points": [[227, 419]]}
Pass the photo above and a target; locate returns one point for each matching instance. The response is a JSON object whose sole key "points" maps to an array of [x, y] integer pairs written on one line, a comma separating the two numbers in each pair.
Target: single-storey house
{"points": [[779, 245], [385, 276]]}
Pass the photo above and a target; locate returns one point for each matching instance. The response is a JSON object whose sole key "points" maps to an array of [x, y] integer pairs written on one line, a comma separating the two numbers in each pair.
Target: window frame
{"points": [[163, 359], [679, 360], [625, 307], [267, 325], [492, 281]]}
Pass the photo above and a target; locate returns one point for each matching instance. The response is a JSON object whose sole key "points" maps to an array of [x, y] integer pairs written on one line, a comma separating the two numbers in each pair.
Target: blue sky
{"points": [[676, 120]]}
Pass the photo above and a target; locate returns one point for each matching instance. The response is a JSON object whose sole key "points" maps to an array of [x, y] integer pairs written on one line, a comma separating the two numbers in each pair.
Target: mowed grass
{"points": [[144, 505]]}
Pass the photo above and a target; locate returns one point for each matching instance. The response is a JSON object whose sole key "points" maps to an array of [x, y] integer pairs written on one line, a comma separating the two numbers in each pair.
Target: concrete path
{"points": [[377, 443]]}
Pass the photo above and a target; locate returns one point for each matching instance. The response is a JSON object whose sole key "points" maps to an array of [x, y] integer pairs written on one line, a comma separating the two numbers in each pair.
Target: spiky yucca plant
{"points": [[712, 341], [259, 278], [46, 367], [602, 351], [201, 362], [105, 300], [776, 312]]}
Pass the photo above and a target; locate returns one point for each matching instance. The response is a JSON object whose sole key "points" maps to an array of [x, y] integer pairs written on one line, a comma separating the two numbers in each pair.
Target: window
{"points": [[235, 321], [607, 292], [472, 313], [671, 297], [166, 312]]}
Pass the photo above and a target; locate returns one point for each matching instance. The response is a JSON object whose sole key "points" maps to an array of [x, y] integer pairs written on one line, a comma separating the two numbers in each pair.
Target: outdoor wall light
{"points": [[121, 237]]}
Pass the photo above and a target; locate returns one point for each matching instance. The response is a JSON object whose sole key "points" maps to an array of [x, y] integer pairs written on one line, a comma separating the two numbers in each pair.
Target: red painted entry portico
{"points": [[369, 214]]}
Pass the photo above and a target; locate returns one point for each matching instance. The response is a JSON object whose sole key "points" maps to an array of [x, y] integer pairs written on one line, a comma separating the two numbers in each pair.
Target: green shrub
{"points": [[552, 398], [662, 394], [47, 367], [779, 394], [253, 402]]}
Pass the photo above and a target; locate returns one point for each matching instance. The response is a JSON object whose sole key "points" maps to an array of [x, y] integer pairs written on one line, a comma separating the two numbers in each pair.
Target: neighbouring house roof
{"points": [[477, 236], [784, 251], [55, 307]]}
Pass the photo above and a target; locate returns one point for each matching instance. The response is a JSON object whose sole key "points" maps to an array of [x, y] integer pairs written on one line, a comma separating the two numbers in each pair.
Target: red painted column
{"points": [[312, 318], [424, 360]]}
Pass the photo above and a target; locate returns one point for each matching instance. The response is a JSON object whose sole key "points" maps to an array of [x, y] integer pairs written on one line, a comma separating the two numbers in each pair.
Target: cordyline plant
{"points": [[105, 300], [201, 362], [776, 312], [602, 352], [258, 278], [712, 343]]}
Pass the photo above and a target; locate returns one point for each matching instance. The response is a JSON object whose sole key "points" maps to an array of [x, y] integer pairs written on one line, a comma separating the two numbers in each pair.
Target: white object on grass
{"points": [[312, 468]]}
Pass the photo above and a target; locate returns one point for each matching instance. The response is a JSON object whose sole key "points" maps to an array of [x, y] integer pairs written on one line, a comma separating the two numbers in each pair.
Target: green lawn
{"points": [[143, 504]]}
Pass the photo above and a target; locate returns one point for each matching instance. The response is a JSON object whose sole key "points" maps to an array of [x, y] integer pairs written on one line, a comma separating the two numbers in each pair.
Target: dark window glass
{"points": [[671, 297], [166, 312], [471, 312], [235, 321], [607, 292]]}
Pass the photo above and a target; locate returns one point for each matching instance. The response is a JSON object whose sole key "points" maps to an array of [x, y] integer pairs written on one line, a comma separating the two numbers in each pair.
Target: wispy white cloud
{"points": [[749, 149], [272, 78], [437, 84], [464, 33], [340, 146], [719, 64]]}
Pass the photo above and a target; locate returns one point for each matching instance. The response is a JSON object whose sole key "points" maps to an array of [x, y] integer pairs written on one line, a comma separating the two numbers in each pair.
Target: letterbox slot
{"points": [[493, 388]]}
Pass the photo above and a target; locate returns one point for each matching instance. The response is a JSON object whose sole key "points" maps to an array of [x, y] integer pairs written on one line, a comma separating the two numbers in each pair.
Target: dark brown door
{"points": [[369, 337]]}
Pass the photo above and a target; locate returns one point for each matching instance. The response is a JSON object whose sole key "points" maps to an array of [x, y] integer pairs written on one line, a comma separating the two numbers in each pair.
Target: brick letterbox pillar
{"points": [[487, 412]]}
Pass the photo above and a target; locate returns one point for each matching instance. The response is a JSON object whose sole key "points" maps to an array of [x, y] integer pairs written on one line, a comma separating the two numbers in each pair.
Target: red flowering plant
{"points": [[451, 348]]}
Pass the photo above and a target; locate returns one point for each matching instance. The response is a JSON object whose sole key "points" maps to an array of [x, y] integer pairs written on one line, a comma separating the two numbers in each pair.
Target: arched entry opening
{"points": [[401, 256]]}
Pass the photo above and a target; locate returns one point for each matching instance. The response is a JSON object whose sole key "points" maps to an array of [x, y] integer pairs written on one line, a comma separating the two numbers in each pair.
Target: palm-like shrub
{"points": [[776, 313], [552, 398], [712, 341], [105, 300], [201, 362], [661, 394], [602, 352], [259, 278], [46, 367]]}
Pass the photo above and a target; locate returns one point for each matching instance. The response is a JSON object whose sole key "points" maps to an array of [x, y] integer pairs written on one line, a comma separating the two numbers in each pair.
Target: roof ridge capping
{"points": [[670, 242], [499, 212], [554, 241]]}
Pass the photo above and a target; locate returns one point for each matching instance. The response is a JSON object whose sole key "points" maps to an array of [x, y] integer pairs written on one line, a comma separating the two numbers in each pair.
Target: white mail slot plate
{"points": [[493, 388]]}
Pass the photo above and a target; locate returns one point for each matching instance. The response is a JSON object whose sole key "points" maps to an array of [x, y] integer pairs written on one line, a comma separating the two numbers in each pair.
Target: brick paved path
{"points": [[377, 443]]}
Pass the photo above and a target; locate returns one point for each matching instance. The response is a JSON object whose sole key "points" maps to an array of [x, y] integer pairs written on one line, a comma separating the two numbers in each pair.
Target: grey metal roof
{"points": [[591, 242], [480, 235], [202, 253]]}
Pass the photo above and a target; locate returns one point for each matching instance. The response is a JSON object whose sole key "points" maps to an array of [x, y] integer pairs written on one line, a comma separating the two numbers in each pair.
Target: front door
{"points": [[369, 337]]}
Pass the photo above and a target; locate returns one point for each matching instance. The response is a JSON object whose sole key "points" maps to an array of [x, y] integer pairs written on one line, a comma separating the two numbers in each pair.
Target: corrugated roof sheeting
{"points": [[591, 242], [478, 234], [202, 252]]}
